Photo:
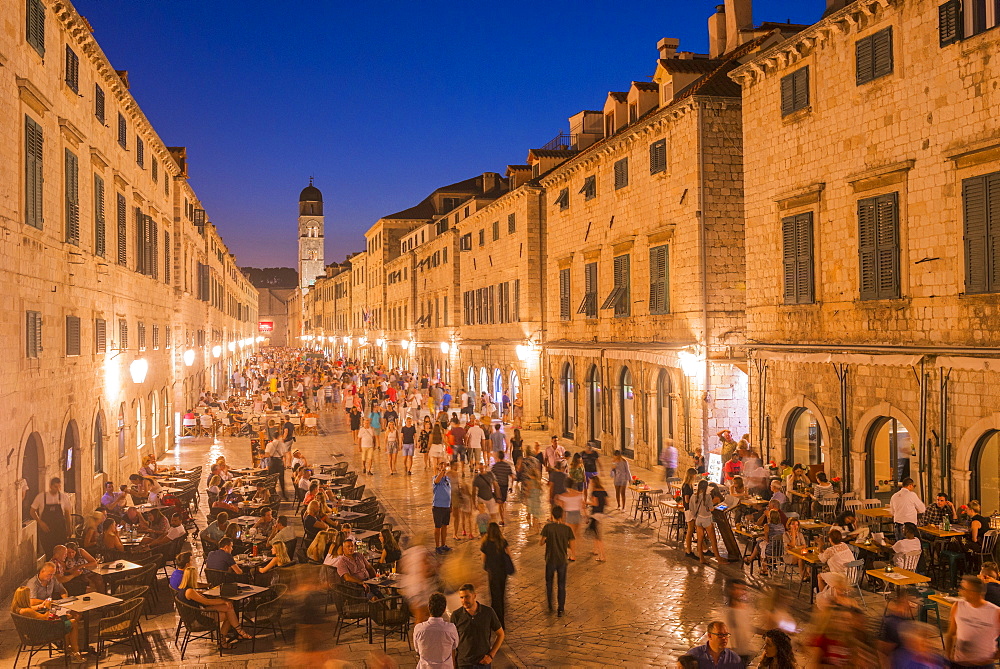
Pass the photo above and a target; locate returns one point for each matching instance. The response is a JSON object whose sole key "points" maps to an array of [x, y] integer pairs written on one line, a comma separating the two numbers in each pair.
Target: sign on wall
{"points": [[715, 467], [265, 326]]}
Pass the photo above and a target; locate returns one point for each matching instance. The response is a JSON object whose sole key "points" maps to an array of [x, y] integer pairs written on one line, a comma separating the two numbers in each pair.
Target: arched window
{"points": [[472, 381], [497, 387], [140, 425], [803, 438], [121, 431], [568, 386], [32, 472], [484, 382], [985, 468], [664, 412], [71, 449], [154, 410], [594, 404], [515, 385], [99, 443], [626, 417], [890, 457]]}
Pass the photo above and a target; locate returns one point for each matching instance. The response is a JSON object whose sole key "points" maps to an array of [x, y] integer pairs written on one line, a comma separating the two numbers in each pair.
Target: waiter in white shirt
{"points": [[905, 506], [435, 639]]}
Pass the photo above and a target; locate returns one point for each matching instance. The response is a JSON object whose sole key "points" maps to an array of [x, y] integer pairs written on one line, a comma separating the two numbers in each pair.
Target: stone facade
{"points": [[109, 265], [894, 336]]}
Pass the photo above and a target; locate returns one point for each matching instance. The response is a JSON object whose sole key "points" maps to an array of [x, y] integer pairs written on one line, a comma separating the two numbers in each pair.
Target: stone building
{"points": [[872, 193], [121, 302], [311, 222], [275, 286]]}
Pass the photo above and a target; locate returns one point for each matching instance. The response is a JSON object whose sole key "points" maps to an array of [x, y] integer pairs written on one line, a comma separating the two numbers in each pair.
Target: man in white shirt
{"points": [[909, 544], [366, 439], [474, 436], [554, 453], [435, 639], [905, 506]]}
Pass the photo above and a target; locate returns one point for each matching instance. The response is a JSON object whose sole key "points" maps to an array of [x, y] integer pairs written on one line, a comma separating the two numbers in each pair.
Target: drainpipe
{"points": [[703, 262], [943, 441], [924, 453]]}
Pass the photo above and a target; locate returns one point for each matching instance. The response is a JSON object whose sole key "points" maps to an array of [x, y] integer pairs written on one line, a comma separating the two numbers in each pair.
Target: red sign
{"points": [[265, 326]]}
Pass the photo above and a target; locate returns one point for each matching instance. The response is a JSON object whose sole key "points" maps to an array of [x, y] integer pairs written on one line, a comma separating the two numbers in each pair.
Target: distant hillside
{"points": [[272, 277]]}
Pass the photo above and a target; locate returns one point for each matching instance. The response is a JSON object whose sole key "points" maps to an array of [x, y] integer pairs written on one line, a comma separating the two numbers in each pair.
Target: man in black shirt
{"points": [[485, 485], [557, 538], [989, 573], [476, 623], [589, 457], [409, 432]]}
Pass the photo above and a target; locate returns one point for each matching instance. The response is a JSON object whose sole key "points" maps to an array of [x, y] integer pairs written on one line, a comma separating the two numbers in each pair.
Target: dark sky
{"points": [[381, 102]]}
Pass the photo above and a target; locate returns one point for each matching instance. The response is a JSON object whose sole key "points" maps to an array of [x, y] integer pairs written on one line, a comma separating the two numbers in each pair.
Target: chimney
{"points": [[490, 181], [717, 32], [739, 16], [668, 47], [835, 6]]}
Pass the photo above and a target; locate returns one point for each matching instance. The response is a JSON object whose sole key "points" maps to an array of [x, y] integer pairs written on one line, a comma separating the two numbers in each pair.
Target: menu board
{"points": [[715, 467]]}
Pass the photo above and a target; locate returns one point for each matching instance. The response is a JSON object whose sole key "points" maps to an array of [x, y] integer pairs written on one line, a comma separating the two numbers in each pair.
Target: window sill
{"points": [[797, 115], [883, 302]]}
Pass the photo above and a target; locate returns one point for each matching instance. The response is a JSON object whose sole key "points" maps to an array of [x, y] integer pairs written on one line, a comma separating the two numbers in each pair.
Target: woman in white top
{"points": [[836, 556], [298, 460], [702, 504], [571, 502], [907, 547]]}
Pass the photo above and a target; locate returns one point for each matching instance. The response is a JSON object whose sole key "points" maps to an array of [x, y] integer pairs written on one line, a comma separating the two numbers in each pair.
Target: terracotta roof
{"points": [[646, 86], [618, 95], [551, 153], [717, 83], [518, 168], [686, 66], [426, 211]]}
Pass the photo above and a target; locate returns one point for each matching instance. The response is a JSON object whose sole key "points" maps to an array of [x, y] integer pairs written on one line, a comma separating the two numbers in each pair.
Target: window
{"points": [[795, 91], [122, 131], [621, 173], [166, 183], [496, 230], [99, 103], [659, 280], [589, 190], [155, 167], [878, 247], [981, 209], [141, 244], [122, 230], [33, 333], [100, 335], [482, 238], [658, 156], [564, 284], [100, 231], [511, 224], [562, 201], [71, 186], [797, 258], [122, 334], [156, 337], [873, 56], [33, 144], [449, 203], [142, 336], [140, 152], [35, 28], [620, 297], [588, 306], [166, 257], [72, 335], [72, 70]]}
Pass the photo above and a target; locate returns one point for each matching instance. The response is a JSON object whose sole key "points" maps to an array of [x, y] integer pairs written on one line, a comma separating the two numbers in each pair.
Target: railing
{"points": [[561, 142]]}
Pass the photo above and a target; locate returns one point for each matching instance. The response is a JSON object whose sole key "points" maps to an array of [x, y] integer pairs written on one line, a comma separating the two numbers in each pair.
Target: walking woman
{"points": [[621, 475], [496, 557], [687, 492], [598, 502], [424, 442], [438, 450], [701, 506], [392, 439], [576, 472], [531, 486]]}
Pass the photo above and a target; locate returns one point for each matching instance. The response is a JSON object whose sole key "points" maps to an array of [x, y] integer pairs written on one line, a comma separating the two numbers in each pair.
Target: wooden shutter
{"points": [[868, 274], [99, 103], [100, 226], [993, 228], [72, 195], [621, 173], [564, 285], [122, 131], [658, 156], [623, 303], [801, 81], [72, 70], [950, 22], [140, 152], [33, 175], [122, 334], [154, 247], [72, 335], [32, 334], [863, 60], [887, 226], [659, 294], [981, 209], [121, 214], [882, 61], [100, 335], [35, 28], [563, 199], [166, 257], [788, 249], [804, 262], [511, 224], [517, 300], [589, 189], [787, 95], [140, 240]]}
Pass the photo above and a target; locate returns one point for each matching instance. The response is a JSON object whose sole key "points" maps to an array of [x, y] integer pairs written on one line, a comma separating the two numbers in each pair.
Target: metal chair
{"points": [[267, 614], [120, 625], [390, 614], [218, 577], [986, 551], [855, 572], [36, 636], [827, 510], [197, 625], [352, 607], [647, 506]]}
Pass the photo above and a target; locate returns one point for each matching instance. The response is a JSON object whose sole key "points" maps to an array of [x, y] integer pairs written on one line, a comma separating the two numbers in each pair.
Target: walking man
{"points": [[476, 623], [441, 508], [971, 640], [367, 439], [557, 537]]}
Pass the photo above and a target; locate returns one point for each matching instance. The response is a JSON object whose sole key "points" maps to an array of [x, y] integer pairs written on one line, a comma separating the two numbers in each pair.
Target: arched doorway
{"points": [[569, 401], [497, 387], [32, 464], [70, 453], [664, 412], [890, 457], [594, 405], [626, 405], [472, 381], [121, 431], [515, 385], [985, 469], [803, 438], [99, 443], [140, 426], [484, 382]]}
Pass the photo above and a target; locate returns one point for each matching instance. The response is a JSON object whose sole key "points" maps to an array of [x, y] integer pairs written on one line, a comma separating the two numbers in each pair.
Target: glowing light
{"points": [[189, 357], [445, 347], [690, 362], [403, 343], [362, 341], [232, 346], [347, 340], [380, 342], [260, 339], [138, 370], [216, 350], [522, 351]]}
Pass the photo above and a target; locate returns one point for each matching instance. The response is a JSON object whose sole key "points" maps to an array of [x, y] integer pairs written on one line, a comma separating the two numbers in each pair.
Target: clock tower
{"points": [[311, 263]]}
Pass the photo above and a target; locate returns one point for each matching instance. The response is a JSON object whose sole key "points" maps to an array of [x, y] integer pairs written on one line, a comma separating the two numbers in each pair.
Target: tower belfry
{"points": [[311, 262]]}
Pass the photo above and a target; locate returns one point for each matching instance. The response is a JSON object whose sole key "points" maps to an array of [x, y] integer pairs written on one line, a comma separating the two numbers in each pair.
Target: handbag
{"points": [[508, 564]]}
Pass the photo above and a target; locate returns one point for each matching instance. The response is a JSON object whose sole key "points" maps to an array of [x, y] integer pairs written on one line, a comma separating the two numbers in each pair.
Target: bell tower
{"points": [[311, 263]]}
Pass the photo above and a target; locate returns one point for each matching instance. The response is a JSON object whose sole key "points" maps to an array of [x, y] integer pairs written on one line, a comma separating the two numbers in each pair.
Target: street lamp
{"points": [[690, 362], [445, 347], [189, 357], [216, 350], [138, 370], [404, 344]]}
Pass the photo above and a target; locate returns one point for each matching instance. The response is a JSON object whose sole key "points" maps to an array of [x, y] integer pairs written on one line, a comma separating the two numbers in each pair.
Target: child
{"points": [[482, 520]]}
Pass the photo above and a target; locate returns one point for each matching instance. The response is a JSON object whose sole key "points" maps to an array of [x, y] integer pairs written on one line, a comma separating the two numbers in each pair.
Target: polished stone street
{"points": [[643, 607]]}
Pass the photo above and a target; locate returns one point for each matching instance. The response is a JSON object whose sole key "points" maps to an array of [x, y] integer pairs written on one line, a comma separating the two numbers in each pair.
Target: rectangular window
{"points": [[878, 247], [168, 343], [496, 230], [589, 189], [659, 280], [795, 91], [71, 187], [72, 335], [511, 224], [142, 336], [564, 285], [562, 201], [141, 243], [122, 131], [658, 156], [797, 258], [166, 183], [166, 257], [33, 333], [156, 337], [517, 300], [155, 167], [873, 56], [122, 334], [588, 306], [99, 103], [621, 173], [35, 28], [951, 23], [121, 212], [72, 70], [140, 152], [33, 145], [100, 227], [981, 213], [482, 238], [100, 335], [620, 297]]}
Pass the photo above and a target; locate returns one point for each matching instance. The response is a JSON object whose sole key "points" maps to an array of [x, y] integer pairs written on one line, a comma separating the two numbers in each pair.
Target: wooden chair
{"points": [[206, 425], [190, 428]]}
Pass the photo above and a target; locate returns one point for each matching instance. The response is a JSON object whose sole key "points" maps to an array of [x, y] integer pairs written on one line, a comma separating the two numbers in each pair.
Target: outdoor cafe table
{"points": [[247, 471], [642, 496], [170, 479], [246, 520], [808, 525], [246, 591], [348, 502], [938, 533], [880, 515], [752, 534], [811, 557], [364, 535], [386, 581], [898, 577], [108, 568], [346, 516], [94, 601]]}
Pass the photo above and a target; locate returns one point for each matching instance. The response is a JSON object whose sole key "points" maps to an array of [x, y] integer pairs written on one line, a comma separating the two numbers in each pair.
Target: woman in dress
{"points": [[392, 445], [516, 448], [495, 557], [518, 411], [621, 476], [687, 492], [598, 502], [424, 441], [221, 607], [22, 606]]}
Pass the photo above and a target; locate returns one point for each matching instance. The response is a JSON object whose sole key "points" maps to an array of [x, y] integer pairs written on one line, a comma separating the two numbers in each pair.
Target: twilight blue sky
{"points": [[381, 102]]}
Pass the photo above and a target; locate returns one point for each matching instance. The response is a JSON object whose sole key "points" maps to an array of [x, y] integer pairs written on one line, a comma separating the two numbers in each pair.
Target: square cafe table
{"points": [[347, 516], [108, 568], [246, 591], [898, 577], [96, 600], [809, 525], [811, 557]]}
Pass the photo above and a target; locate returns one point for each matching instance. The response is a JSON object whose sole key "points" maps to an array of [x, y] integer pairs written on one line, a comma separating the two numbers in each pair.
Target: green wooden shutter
{"points": [[788, 249], [882, 61], [71, 186], [72, 335], [887, 254], [563, 199], [564, 285], [35, 25], [976, 231], [868, 273], [658, 156], [623, 302], [993, 228], [804, 259], [659, 289], [621, 173], [100, 226], [34, 144], [950, 22], [121, 213]]}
